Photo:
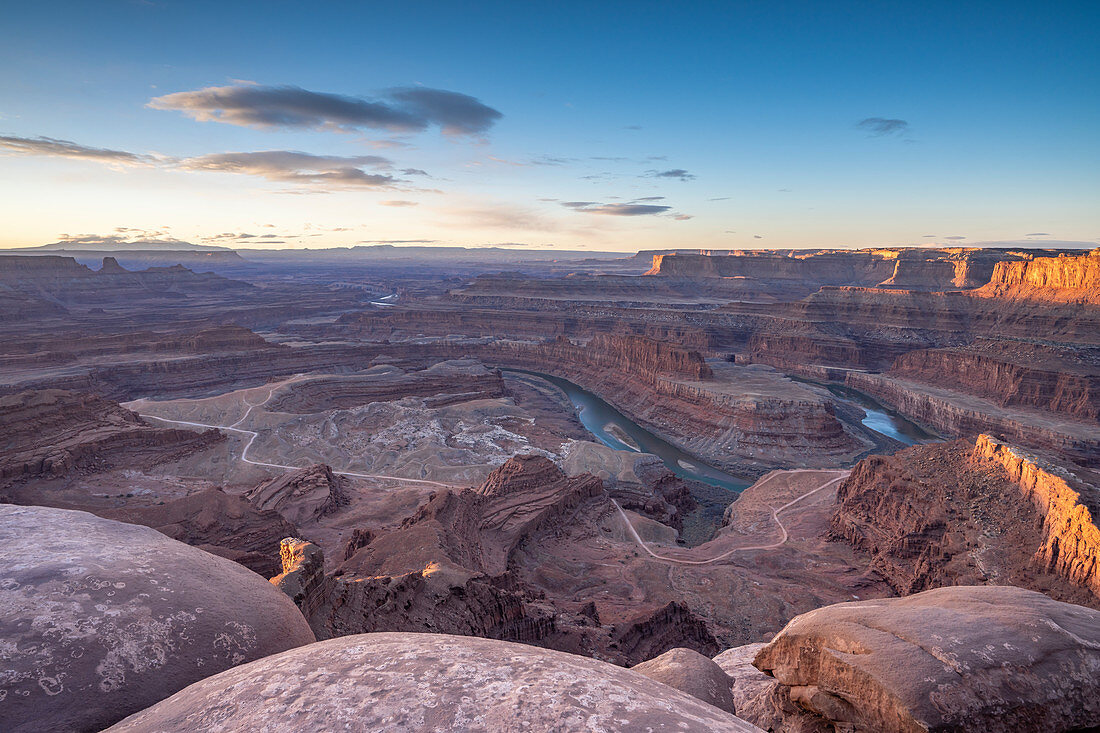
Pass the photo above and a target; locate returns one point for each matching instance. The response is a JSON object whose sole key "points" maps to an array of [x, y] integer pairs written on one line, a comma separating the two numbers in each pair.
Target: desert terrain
{"points": [[614, 457]]}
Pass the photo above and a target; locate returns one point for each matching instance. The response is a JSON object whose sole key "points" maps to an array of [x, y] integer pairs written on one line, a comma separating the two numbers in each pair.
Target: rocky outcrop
{"points": [[1065, 278], [949, 514], [995, 659], [53, 432], [1068, 507], [303, 574], [463, 563], [430, 682], [447, 567], [760, 699], [225, 525], [821, 267], [101, 619], [302, 495], [689, 671]]}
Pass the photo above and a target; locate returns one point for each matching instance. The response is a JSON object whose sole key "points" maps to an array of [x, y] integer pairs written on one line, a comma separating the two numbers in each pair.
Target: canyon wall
{"points": [[1066, 278], [955, 414], [1069, 507], [1026, 377], [952, 514]]}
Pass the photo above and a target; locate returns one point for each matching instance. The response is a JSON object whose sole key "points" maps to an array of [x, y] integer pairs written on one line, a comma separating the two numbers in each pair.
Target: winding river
{"points": [[616, 430]]}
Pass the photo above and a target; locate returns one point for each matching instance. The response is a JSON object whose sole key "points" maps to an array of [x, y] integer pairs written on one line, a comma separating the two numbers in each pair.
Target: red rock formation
{"points": [[1064, 279], [949, 514], [457, 565], [1010, 374], [996, 659], [954, 413], [303, 495], [1068, 506]]}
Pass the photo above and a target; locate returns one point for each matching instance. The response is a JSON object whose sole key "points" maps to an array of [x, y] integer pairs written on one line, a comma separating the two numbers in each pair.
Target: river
{"points": [[878, 418], [610, 426]]}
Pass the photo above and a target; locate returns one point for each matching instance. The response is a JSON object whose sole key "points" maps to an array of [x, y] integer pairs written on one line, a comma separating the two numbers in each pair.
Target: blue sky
{"points": [[621, 125]]}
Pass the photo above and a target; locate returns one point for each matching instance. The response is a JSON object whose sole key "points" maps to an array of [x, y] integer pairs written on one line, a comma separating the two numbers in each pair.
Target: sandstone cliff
{"points": [[1065, 278], [950, 514], [1068, 506]]}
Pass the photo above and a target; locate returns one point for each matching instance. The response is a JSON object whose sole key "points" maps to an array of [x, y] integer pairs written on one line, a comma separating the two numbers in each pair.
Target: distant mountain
{"points": [[117, 244]]}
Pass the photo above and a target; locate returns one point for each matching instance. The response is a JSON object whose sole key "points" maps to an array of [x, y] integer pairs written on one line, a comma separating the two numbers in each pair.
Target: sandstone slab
{"points": [[429, 682], [988, 658], [100, 619]]}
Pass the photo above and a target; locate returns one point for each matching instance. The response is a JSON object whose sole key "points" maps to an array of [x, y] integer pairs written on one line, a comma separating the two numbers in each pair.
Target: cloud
{"points": [[289, 166], [49, 146], [594, 207], [955, 238], [683, 217], [1038, 234], [881, 126], [677, 173], [398, 203], [403, 109], [650, 198]]}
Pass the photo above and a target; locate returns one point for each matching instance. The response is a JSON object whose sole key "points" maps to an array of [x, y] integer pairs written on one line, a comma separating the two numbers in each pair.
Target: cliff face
{"points": [[1069, 507], [1058, 279], [821, 268], [1027, 377], [951, 514]]}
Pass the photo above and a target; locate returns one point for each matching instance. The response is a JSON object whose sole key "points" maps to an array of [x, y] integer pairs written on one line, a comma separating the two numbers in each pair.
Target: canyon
{"points": [[646, 461]]}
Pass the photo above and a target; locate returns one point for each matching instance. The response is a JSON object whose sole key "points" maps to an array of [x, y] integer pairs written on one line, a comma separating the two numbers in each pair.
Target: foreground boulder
{"points": [[689, 671], [100, 619], [429, 682], [760, 699], [973, 658]]}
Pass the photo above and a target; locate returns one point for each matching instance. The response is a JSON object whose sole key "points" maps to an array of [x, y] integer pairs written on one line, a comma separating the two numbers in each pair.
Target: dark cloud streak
{"points": [[404, 109]]}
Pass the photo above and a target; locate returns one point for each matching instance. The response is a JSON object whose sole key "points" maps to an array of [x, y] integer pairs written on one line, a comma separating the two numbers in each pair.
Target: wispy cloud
{"points": [[594, 207], [289, 166], [51, 147], [403, 109], [399, 203], [678, 173], [881, 126]]}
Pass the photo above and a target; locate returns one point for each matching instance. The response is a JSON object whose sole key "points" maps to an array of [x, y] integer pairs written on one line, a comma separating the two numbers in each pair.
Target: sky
{"points": [[601, 126]]}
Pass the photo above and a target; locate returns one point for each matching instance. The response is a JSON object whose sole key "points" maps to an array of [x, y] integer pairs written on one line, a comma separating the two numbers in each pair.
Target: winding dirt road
{"points": [[775, 515], [252, 435]]}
